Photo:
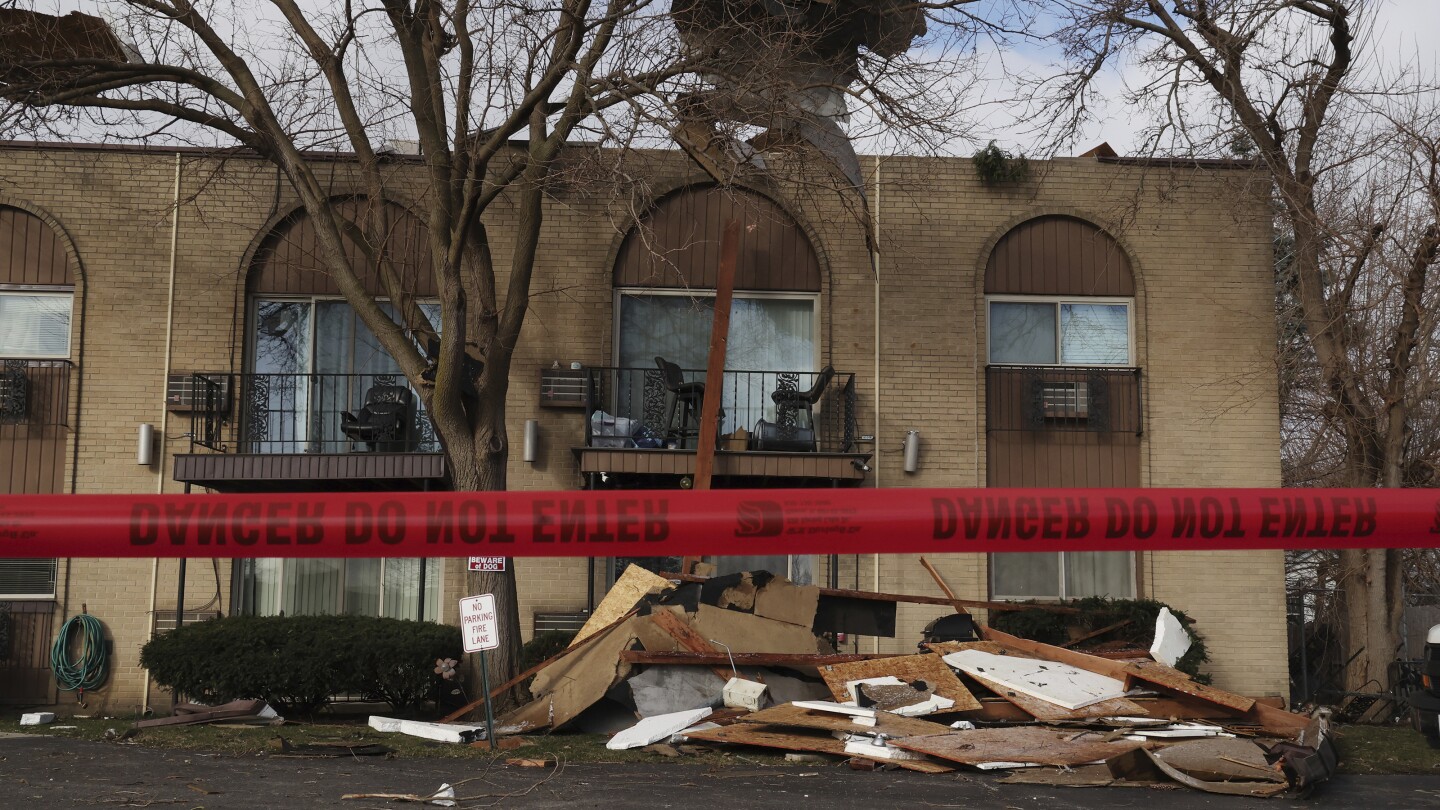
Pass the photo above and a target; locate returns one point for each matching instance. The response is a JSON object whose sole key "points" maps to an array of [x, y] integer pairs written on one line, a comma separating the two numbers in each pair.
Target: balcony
{"points": [[35, 418], [635, 424], [285, 432]]}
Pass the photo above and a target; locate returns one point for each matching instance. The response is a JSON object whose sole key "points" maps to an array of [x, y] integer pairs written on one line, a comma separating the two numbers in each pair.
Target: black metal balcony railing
{"points": [[633, 408], [298, 413], [35, 418], [1049, 398]]}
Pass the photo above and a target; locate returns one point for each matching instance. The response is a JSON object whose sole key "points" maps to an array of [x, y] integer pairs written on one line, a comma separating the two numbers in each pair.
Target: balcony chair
{"points": [[687, 397], [790, 402], [383, 423]]}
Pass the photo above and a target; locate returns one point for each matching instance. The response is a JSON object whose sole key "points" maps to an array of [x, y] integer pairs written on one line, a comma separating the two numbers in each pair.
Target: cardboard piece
{"points": [[909, 668], [654, 729], [1221, 760], [788, 739], [748, 633], [1061, 684], [630, 587], [891, 725], [784, 601], [1026, 744]]}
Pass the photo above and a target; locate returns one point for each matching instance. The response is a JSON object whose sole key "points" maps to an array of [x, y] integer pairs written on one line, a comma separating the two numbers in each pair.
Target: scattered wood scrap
{"points": [[928, 668]]}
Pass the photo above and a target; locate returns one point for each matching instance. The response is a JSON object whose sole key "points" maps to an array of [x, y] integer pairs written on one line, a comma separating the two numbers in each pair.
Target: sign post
{"points": [[480, 631]]}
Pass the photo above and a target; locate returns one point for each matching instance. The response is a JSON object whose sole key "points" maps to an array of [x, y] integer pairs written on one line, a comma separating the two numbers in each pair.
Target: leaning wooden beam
{"points": [[510, 684], [907, 598], [746, 659], [944, 588]]}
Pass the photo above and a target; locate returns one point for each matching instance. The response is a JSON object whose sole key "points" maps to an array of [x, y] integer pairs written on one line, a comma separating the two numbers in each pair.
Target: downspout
{"points": [[165, 421], [875, 268]]}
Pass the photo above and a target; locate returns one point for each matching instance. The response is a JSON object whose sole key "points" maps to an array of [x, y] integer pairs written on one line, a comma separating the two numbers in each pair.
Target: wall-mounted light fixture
{"points": [[912, 451], [145, 452], [531, 446]]}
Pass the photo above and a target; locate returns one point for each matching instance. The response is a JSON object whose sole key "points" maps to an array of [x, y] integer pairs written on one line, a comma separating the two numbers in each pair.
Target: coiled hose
{"points": [[89, 671]]}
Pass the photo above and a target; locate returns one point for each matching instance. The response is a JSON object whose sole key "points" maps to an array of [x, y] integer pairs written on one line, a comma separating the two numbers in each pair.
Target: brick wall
{"points": [[1198, 239]]}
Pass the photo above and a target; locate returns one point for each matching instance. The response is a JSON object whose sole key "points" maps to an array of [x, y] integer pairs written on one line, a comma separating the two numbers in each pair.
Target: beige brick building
{"points": [[1106, 323]]}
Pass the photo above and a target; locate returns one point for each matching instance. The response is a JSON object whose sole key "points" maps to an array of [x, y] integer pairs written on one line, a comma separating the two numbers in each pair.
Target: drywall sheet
{"points": [[1060, 684], [1047, 712]]}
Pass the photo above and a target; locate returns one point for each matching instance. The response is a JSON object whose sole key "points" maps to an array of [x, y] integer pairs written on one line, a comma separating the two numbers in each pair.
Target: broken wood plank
{"points": [[928, 667], [1017, 744], [1049, 652], [1177, 681], [670, 621], [907, 598], [1095, 633], [789, 739], [947, 647], [944, 588], [686, 658], [518, 679], [891, 725]]}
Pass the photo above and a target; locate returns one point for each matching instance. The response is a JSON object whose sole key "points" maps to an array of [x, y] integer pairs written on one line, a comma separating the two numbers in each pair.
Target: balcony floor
{"points": [[311, 472], [644, 461]]}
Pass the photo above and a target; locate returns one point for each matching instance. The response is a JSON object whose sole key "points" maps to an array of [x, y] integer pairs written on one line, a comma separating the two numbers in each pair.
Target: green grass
{"points": [[257, 740], [1385, 750]]}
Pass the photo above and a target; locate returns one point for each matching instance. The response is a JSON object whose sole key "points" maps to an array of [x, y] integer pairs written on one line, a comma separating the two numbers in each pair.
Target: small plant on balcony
{"points": [[995, 166]]}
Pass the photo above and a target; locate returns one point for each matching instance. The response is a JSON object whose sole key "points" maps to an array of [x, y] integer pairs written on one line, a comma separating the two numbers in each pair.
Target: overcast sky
{"points": [[1404, 33]]}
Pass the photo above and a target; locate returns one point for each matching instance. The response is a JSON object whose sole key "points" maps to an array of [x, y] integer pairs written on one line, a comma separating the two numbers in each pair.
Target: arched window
{"points": [[37, 284], [1062, 392]]}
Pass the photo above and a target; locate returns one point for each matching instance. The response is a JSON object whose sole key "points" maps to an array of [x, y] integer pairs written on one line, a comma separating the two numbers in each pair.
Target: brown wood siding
{"points": [[308, 471], [31, 253], [677, 244], [1058, 255], [32, 459], [289, 261], [1062, 459]]}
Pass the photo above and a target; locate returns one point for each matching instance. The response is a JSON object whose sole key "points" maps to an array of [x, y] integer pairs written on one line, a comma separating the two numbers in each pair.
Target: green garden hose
{"points": [[89, 671]]}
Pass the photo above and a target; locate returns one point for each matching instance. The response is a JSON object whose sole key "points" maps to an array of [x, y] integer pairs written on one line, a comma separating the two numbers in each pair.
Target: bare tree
{"points": [[1350, 150], [493, 90]]}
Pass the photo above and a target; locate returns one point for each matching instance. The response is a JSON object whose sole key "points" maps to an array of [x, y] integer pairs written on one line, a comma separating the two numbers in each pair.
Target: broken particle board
{"points": [[1047, 712], [909, 668], [571, 685], [1064, 685], [1036, 744], [632, 586], [1221, 760], [891, 725], [947, 647], [789, 739]]}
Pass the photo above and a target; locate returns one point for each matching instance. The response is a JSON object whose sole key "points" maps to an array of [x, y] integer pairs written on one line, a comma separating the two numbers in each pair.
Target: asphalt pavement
{"points": [[52, 772]]}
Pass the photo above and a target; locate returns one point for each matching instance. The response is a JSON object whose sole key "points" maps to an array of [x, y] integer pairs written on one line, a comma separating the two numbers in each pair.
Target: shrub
{"points": [[295, 663], [995, 166], [1097, 612]]}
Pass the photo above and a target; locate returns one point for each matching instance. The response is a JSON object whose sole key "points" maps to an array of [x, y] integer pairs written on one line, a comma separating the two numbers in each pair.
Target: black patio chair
{"points": [[687, 397], [790, 402], [384, 421]]}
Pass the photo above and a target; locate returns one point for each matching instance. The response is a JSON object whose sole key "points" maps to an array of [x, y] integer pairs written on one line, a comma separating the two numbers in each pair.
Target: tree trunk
{"points": [[487, 473]]}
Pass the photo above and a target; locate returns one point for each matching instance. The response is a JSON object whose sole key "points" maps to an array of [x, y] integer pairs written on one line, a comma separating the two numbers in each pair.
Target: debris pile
{"points": [[744, 660]]}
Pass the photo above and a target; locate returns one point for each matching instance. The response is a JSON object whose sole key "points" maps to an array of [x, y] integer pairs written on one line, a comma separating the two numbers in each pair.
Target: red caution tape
{"points": [[678, 523]]}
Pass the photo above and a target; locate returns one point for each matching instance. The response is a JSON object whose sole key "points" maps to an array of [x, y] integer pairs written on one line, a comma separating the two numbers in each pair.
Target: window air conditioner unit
{"points": [[1065, 400], [185, 393]]}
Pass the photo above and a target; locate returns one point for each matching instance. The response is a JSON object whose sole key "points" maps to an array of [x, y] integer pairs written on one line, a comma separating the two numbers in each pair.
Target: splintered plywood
{"points": [[947, 647], [909, 668], [574, 683], [632, 586], [1174, 679], [891, 725], [1047, 712], [789, 739], [1043, 746], [1060, 684]]}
